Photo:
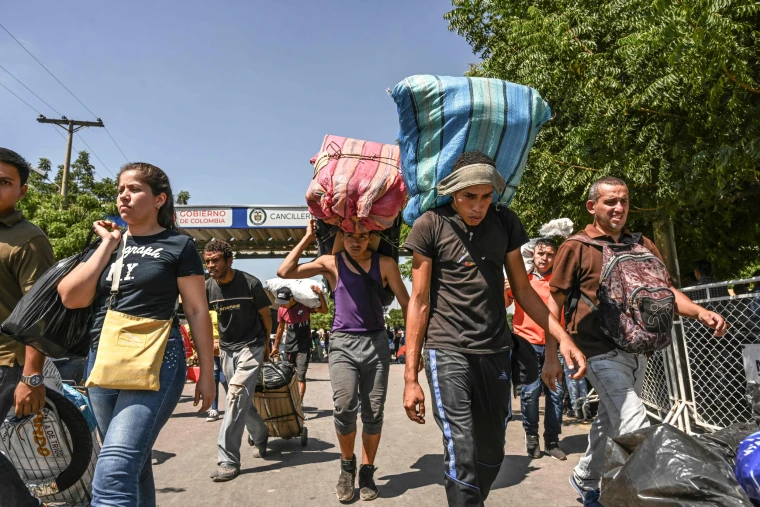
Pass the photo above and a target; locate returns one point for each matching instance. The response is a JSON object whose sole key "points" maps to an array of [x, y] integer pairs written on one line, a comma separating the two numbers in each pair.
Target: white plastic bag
{"points": [[301, 290]]}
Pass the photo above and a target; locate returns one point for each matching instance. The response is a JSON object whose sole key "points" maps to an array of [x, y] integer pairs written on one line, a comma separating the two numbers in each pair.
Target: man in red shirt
{"points": [[528, 329], [295, 322]]}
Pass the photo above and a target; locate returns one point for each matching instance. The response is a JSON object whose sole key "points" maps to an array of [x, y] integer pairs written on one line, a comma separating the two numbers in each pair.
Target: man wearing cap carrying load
{"points": [[295, 323], [457, 308]]}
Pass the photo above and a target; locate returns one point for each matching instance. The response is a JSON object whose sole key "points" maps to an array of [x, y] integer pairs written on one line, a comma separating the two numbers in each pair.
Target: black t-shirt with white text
{"points": [[148, 285], [237, 305], [465, 314]]}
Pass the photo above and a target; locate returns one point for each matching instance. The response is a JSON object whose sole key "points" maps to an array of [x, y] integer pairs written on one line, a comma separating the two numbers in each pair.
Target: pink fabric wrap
{"points": [[358, 185]]}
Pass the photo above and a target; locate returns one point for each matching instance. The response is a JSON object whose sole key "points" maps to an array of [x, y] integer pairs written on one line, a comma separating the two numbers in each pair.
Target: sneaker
{"points": [[347, 480], [551, 448], [590, 497], [260, 450], [367, 488], [225, 473], [213, 415], [532, 446]]}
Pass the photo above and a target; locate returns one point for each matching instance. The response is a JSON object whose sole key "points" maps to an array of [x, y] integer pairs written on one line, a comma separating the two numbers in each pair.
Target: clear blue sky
{"points": [[231, 99]]}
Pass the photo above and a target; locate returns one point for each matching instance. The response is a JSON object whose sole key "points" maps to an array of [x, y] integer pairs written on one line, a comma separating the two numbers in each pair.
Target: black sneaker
{"points": [[260, 450], [225, 473], [347, 480], [532, 446], [552, 449], [367, 488]]}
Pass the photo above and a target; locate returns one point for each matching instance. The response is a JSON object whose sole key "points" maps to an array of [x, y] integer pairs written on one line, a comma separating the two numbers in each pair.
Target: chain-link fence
{"points": [[699, 379]]}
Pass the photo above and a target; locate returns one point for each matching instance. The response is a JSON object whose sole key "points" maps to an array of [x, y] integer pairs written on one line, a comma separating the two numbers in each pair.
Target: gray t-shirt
{"points": [[465, 314]]}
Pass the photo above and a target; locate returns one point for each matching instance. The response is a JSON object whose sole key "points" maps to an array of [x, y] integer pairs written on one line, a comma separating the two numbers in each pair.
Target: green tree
{"points": [[665, 95], [89, 200], [395, 318], [183, 197], [324, 320]]}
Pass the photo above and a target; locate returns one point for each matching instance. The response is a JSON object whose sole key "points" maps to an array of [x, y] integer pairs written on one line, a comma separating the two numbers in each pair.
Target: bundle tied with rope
{"points": [[357, 185]]}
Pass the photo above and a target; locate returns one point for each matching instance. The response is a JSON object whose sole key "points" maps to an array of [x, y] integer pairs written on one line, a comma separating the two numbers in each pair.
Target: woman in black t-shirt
{"points": [[159, 265]]}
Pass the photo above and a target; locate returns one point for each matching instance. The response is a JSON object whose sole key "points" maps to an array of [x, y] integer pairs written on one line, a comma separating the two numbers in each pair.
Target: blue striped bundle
{"points": [[442, 117]]}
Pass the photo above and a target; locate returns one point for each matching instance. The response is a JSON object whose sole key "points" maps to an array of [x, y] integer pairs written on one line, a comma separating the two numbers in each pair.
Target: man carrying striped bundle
{"points": [[457, 305]]}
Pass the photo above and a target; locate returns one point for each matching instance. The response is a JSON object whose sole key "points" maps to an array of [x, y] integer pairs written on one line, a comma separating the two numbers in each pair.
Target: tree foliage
{"points": [[183, 197], [324, 320], [395, 318], [68, 224], [664, 94]]}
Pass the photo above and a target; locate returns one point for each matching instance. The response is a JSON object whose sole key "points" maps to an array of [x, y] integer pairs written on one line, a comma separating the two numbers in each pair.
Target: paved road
{"points": [[409, 460]]}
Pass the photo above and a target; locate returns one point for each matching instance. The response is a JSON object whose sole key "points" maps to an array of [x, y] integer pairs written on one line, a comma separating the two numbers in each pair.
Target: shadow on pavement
{"points": [[514, 470], [161, 457], [289, 453], [427, 470], [312, 413], [574, 444]]}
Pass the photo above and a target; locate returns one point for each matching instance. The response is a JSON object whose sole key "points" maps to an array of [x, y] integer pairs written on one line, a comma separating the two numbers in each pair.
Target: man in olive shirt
{"points": [[25, 254]]}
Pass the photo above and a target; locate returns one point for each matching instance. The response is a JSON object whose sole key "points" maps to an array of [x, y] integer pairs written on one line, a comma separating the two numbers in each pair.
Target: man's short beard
{"points": [[616, 227]]}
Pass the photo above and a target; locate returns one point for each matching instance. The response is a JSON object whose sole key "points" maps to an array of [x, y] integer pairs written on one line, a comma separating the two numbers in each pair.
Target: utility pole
{"points": [[70, 126]]}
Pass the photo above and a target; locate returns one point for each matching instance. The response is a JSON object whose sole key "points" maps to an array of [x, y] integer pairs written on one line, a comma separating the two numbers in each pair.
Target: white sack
{"points": [[301, 290]]}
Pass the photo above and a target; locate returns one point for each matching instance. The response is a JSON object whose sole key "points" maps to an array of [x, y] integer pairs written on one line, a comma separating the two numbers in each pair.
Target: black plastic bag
{"points": [[274, 375], [40, 319], [662, 466]]}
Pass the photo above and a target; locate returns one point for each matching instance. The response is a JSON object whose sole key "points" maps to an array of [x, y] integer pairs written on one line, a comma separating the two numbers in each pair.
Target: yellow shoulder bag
{"points": [[131, 349]]}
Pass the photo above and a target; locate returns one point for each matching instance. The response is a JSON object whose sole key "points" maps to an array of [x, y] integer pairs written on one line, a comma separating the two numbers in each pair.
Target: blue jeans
{"points": [[576, 389], [218, 378], [529, 404], [129, 423]]}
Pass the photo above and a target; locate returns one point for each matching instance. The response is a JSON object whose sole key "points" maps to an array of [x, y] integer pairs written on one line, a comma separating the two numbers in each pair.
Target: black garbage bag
{"points": [[663, 466], [40, 319], [275, 375], [725, 442]]}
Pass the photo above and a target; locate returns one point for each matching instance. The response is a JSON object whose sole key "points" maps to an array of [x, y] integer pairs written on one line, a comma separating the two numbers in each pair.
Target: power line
{"points": [[48, 70], [30, 90], [60, 133], [22, 100], [95, 154], [64, 86], [114, 142]]}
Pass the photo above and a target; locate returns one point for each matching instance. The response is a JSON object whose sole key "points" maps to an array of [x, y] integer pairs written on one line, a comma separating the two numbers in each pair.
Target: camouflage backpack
{"points": [[636, 304]]}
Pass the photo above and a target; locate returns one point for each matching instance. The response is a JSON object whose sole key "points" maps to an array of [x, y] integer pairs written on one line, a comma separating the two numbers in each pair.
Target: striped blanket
{"points": [[443, 117], [357, 184]]}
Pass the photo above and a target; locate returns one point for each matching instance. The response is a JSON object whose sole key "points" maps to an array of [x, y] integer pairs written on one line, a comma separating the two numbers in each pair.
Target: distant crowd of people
{"points": [[593, 308]]}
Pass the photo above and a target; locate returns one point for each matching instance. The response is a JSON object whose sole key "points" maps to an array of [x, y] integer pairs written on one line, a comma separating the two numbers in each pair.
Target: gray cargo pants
{"points": [[242, 371], [359, 366]]}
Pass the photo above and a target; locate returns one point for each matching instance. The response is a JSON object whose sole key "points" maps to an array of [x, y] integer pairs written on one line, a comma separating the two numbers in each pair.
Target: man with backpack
{"points": [[457, 306], [619, 304], [25, 254]]}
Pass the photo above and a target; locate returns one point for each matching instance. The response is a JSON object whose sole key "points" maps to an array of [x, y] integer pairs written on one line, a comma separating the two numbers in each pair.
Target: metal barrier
{"points": [[698, 382]]}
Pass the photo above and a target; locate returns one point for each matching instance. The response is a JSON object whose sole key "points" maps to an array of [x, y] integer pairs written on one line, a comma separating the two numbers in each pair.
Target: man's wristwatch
{"points": [[35, 380]]}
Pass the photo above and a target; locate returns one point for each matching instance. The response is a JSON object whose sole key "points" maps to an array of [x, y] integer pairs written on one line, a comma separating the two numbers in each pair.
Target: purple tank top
{"points": [[357, 308]]}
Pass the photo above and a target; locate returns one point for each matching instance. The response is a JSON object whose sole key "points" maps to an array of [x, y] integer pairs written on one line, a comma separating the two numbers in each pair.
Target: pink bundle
{"points": [[357, 184]]}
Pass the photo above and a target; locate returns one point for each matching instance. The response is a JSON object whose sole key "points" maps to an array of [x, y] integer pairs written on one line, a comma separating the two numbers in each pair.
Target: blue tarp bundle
{"points": [[442, 117], [748, 465]]}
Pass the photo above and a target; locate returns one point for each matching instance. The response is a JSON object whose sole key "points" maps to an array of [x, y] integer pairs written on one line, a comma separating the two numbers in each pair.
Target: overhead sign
{"points": [[295, 217], [197, 218]]}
